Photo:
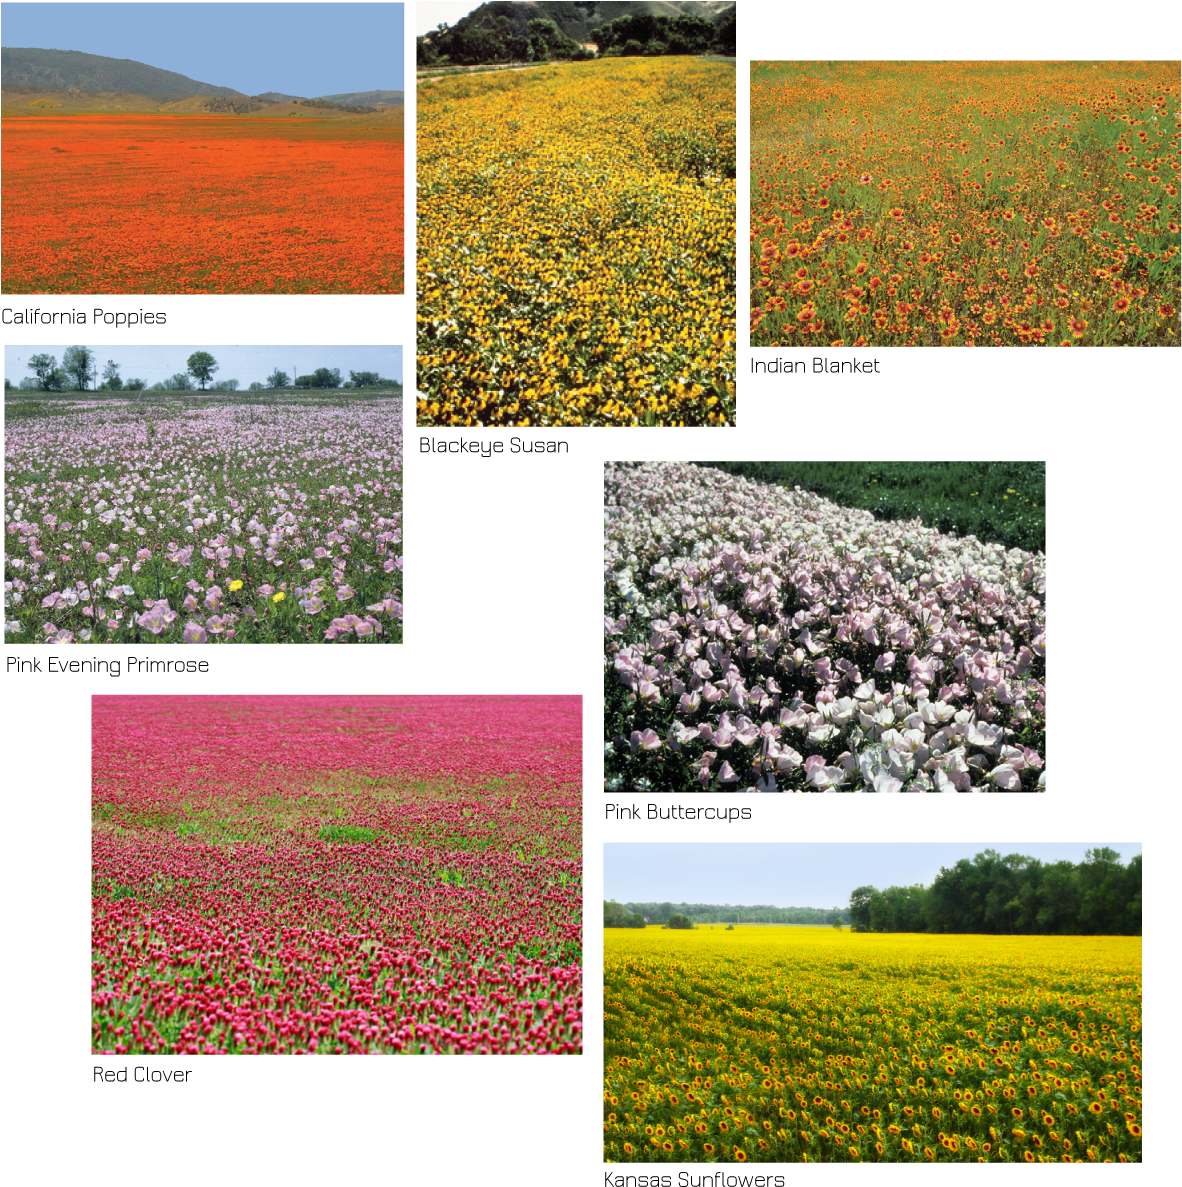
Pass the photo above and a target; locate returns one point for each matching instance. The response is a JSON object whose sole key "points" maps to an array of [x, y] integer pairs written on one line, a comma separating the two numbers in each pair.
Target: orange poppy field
{"points": [[964, 204], [202, 204]]}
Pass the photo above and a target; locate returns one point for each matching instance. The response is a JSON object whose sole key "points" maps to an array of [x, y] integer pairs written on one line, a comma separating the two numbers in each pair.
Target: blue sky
{"points": [[244, 363], [797, 875], [299, 49]]}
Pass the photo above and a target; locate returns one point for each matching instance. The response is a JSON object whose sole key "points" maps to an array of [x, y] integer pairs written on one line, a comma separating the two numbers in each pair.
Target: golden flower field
{"points": [[799, 1044], [964, 204], [576, 261]]}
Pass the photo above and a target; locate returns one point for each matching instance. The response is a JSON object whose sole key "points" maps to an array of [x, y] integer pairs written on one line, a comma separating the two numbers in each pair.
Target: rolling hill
{"points": [[44, 81], [63, 69]]}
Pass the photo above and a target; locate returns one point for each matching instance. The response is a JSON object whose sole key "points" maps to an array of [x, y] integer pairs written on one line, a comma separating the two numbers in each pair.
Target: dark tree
{"points": [[77, 362], [201, 366]]}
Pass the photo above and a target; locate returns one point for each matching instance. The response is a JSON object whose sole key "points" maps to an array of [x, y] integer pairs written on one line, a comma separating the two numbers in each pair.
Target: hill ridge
{"points": [[28, 69]]}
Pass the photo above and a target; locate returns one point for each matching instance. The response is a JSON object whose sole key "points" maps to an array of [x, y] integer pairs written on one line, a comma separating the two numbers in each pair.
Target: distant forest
{"points": [[626, 914], [988, 895], [1012, 895]]}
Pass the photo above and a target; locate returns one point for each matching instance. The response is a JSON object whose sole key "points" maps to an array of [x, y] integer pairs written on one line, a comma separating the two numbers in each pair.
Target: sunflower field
{"points": [[797, 1044], [576, 258]]}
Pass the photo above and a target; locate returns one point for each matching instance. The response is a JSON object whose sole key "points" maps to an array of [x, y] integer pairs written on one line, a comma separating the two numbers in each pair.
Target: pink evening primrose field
{"points": [[336, 875], [761, 639], [204, 520]]}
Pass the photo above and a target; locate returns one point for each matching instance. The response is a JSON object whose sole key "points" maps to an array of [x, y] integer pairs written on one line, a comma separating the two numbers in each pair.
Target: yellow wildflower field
{"points": [[798, 1044], [576, 245]]}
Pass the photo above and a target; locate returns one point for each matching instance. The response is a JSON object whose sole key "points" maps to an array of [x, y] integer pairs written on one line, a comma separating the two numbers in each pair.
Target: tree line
{"points": [[1011, 895], [499, 39], [641, 914], [989, 894], [506, 33], [652, 35], [248, 105], [79, 368]]}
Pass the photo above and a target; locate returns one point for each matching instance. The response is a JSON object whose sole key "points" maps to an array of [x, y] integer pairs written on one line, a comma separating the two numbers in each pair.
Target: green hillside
{"points": [[61, 69]]}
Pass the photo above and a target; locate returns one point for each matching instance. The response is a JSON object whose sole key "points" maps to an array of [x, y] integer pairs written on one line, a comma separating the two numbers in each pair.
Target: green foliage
{"points": [[201, 366], [617, 915], [19, 411], [698, 151], [1163, 266], [679, 922], [998, 502], [352, 834]]}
